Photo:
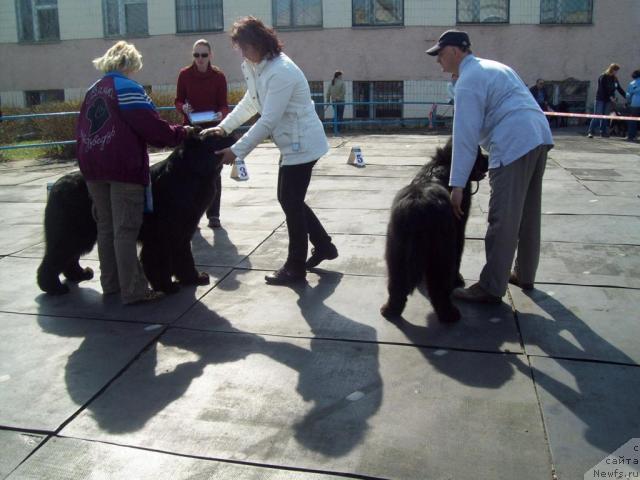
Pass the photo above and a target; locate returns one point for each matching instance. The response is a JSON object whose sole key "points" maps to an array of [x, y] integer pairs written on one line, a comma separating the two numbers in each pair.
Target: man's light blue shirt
{"points": [[494, 109]]}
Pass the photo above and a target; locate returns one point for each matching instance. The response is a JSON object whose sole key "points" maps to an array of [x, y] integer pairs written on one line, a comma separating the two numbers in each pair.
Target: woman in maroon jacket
{"points": [[202, 87], [117, 120]]}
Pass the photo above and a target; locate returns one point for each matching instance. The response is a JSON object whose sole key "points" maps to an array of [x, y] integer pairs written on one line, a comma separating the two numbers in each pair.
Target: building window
{"points": [[297, 13], [199, 16], [38, 97], [125, 18], [38, 20], [317, 95], [566, 11], [392, 92], [483, 11], [568, 95], [377, 12]]}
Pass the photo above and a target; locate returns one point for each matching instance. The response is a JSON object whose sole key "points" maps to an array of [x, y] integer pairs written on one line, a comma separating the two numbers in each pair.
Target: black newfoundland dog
{"points": [[182, 187], [424, 238]]}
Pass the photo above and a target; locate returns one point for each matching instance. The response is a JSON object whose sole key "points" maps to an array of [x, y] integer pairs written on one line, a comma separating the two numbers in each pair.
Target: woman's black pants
{"points": [[302, 223]]}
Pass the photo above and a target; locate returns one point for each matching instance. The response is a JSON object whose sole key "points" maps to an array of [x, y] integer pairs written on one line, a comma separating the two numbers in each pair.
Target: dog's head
{"points": [[480, 167], [197, 155]]}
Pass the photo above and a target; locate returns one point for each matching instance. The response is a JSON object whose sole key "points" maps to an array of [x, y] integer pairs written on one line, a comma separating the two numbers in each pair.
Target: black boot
{"points": [[285, 276], [329, 252]]}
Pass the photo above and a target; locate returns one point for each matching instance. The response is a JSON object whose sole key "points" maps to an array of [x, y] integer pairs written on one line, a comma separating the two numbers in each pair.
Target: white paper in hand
{"points": [[239, 171]]}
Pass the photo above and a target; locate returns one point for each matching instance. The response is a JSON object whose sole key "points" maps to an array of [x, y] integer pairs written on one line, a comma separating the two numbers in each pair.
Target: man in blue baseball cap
{"points": [[494, 109]]}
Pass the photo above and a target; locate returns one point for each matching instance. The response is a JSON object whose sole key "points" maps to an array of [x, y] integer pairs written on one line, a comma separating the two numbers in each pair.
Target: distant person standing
{"points": [[202, 87], [633, 98], [605, 98], [540, 95], [335, 96]]}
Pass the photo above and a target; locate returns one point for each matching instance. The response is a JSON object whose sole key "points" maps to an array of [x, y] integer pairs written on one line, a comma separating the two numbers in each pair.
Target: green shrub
{"points": [[12, 130], [57, 129], [54, 129]]}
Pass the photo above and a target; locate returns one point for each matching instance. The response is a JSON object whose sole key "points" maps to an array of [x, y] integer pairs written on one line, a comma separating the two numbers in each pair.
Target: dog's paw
{"points": [[87, 274], [203, 278], [391, 311], [59, 289]]}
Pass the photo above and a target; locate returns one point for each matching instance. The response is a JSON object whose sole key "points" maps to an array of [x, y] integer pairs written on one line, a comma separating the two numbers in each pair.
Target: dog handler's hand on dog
{"points": [[191, 131], [213, 131], [227, 155], [456, 202]]}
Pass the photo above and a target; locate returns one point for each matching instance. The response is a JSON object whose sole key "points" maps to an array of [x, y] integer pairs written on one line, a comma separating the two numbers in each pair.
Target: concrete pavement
{"points": [[243, 380]]}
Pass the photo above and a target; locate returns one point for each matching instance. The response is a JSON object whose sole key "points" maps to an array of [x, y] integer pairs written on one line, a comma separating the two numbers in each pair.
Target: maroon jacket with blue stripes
{"points": [[117, 121]]}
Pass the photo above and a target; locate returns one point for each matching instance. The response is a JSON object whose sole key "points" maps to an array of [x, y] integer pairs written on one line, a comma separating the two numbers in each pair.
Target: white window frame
{"points": [[194, 18], [372, 21], [52, 5], [292, 10], [479, 21], [122, 19], [560, 14]]}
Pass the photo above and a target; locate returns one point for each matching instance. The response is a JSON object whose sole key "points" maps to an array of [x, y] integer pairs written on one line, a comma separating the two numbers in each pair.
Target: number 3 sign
{"points": [[239, 171]]}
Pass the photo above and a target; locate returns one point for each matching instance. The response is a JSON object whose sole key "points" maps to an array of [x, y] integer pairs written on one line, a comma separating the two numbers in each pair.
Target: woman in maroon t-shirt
{"points": [[202, 87]]}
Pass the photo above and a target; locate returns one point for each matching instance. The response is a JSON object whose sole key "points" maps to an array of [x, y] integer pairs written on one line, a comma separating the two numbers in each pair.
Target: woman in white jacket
{"points": [[278, 90]]}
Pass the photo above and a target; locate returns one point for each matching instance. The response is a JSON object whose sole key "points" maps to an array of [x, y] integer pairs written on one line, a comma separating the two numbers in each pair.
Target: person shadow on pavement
{"points": [[611, 418], [340, 379], [344, 382]]}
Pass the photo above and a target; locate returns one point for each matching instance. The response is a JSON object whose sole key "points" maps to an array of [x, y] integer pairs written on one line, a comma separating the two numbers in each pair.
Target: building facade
{"points": [[46, 46]]}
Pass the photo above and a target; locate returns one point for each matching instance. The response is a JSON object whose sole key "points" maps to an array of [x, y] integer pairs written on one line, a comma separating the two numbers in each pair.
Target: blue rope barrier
{"points": [[334, 122]]}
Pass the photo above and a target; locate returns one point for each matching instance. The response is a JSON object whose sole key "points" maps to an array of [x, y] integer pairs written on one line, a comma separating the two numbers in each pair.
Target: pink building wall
{"points": [[552, 52]]}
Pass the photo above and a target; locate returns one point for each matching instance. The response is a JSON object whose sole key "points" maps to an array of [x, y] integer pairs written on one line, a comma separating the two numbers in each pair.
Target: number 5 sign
{"points": [[239, 171], [356, 158]]}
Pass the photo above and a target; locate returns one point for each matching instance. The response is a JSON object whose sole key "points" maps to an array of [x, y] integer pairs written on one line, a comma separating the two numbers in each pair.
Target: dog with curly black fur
{"points": [[425, 240], [182, 186]]}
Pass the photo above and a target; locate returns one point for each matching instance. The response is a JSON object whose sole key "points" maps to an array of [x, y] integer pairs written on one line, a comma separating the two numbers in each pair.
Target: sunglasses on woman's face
{"points": [[198, 55]]}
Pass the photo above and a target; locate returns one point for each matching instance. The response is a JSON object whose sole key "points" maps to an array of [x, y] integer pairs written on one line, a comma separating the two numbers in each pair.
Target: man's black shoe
{"points": [[513, 280], [319, 254], [285, 276]]}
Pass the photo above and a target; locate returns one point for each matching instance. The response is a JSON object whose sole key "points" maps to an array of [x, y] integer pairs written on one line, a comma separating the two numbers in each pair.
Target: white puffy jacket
{"points": [[278, 90]]}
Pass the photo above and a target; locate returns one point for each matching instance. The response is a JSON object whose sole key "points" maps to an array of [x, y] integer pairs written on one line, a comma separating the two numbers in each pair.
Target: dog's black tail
{"points": [[421, 221]]}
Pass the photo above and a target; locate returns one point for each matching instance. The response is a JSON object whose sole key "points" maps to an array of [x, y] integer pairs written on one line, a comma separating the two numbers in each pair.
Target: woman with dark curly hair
{"points": [[278, 90]]}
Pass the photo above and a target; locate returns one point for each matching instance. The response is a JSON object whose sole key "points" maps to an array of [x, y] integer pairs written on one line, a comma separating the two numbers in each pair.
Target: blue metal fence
{"points": [[333, 123]]}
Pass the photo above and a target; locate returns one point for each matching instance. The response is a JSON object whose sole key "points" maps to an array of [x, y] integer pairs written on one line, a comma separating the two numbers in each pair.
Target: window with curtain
{"points": [[566, 11], [483, 11], [199, 16], [125, 18], [38, 20], [377, 12], [297, 13]]}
